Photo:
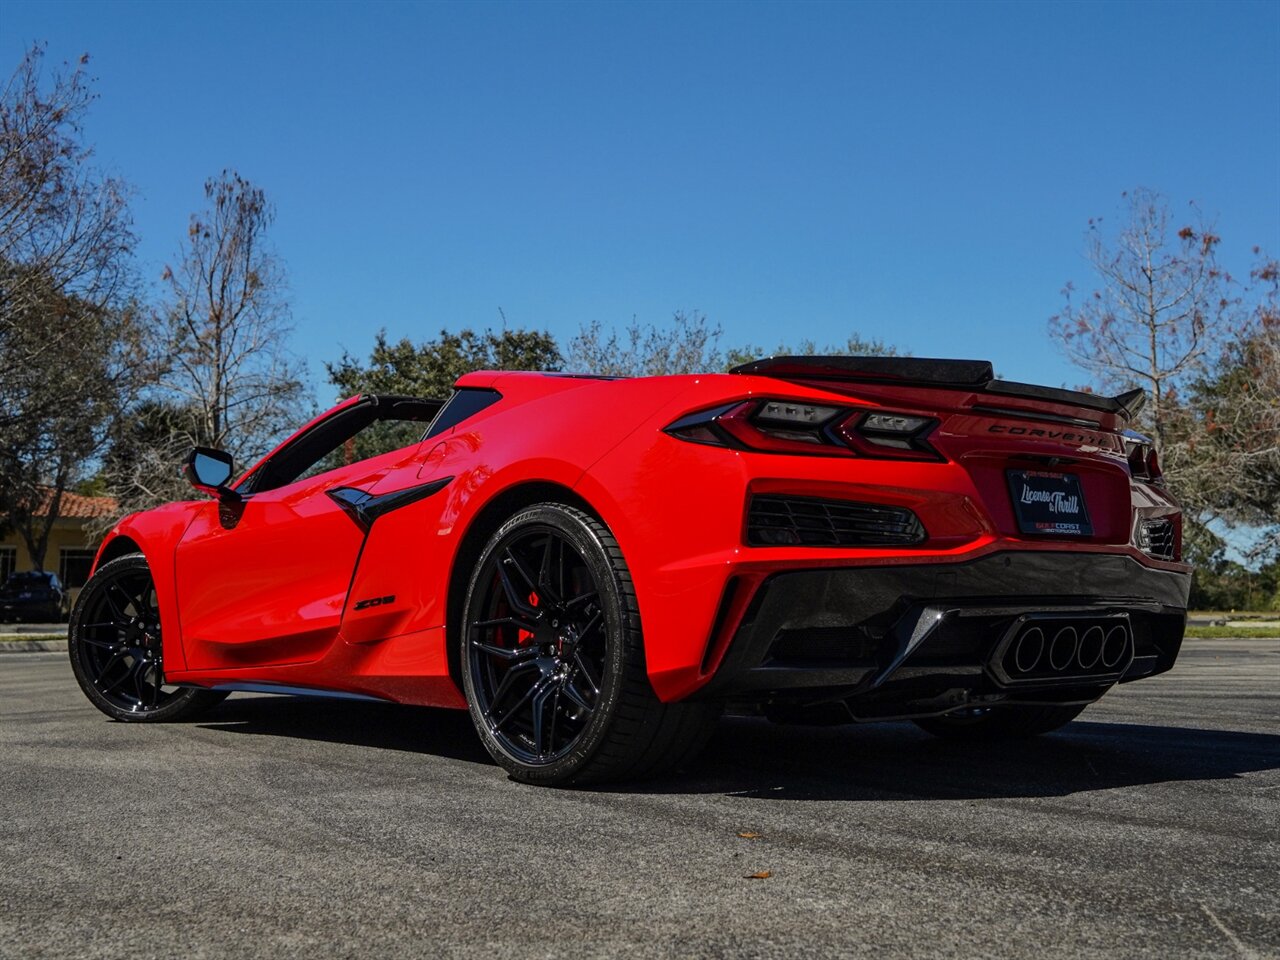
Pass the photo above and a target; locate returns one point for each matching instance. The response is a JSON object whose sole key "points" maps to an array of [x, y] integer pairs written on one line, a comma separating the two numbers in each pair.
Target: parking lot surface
{"points": [[288, 828]]}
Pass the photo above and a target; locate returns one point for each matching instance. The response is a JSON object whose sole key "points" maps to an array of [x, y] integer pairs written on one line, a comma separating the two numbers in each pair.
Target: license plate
{"points": [[1049, 503]]}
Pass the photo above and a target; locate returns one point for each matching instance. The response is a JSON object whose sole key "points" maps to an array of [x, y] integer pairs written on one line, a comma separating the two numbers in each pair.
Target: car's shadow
{"points": [[749, 757]]}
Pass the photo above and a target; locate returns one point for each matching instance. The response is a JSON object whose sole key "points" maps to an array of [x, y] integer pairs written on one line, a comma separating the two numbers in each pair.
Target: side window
{"points": [[465, 402], [375, 426], [373, 440]]}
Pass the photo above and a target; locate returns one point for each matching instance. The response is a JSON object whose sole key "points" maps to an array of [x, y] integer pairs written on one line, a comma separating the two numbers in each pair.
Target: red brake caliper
{"points": [[525, 636]]}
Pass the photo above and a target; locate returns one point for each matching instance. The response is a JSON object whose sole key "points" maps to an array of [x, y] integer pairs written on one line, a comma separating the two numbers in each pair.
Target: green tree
{"points": [[46, 451], [69, 331], [1235, 409], [146, 443], [429, 369]]}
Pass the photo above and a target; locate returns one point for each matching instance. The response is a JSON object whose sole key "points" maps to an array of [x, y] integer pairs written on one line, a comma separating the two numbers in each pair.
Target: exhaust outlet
{"points": [[1063, 649], [1028, 650], [1115, 646], [1091, 644], [1053, 649]]}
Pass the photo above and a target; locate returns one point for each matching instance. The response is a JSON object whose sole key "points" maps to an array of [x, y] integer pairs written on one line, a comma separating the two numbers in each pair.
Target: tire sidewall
{"points": [[619, 625]]}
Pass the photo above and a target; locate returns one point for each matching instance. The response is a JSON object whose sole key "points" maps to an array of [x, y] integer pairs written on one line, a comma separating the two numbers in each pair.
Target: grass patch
{"points": [[1236, 614], [24, 637], [1233, 633]]}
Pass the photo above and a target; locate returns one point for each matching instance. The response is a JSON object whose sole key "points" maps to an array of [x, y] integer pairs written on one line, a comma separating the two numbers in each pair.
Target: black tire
{"points": [[582, 654], [114, 644], [1001, 723]]}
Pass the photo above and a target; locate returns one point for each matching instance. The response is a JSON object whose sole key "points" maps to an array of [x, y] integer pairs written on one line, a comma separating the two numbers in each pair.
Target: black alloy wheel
{"points": [[538, 647], [553, 660], [114, 642]]}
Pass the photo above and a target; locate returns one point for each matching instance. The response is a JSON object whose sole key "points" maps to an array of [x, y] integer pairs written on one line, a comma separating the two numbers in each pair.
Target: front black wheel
{"points": [[553, 657], [116, 652], [1001, 723]]}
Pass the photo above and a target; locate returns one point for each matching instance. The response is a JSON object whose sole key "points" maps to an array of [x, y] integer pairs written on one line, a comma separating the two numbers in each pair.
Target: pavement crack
{"points": [[1226, 932]]}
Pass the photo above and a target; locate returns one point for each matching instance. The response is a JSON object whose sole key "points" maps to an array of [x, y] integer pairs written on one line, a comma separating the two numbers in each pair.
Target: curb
{"points": [[33, 646]]}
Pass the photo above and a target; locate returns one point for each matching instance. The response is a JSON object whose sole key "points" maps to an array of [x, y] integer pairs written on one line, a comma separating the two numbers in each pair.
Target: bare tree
{"points": [[855, 346], [1167, 317], [227, 378], [1162, 307], [229, 322], [689, 344]]}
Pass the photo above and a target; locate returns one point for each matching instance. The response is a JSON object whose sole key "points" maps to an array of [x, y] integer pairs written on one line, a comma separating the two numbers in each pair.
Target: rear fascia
{"points": [[678, 509]]}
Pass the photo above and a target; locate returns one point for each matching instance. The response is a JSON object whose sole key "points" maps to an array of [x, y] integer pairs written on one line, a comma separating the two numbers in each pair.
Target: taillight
{"points": [[1153, 465], [1144, 462], [776, 426], [790, 426], [896, 435]]}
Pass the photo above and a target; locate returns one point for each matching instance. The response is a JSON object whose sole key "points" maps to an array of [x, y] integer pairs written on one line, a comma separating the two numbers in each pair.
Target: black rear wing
{"points": [[974, 375]]}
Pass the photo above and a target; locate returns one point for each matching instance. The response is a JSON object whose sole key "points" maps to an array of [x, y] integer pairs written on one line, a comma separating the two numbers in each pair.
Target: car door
{"points": [[262, 580]]}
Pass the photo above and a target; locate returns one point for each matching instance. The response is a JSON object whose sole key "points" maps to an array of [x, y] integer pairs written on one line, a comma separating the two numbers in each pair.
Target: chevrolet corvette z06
{"points": [[596, 568]]}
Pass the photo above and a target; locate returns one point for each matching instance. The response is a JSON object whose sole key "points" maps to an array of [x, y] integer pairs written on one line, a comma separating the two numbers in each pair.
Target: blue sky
{"points": [[919, 172]]}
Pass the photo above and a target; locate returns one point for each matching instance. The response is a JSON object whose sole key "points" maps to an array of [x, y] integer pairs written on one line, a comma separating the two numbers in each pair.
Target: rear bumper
{"points": [[887, 636]]}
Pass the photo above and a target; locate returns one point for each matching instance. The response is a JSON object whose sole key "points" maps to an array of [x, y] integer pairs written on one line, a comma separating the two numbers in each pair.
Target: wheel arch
{"points": [[155, 534], [115, 547], [484, 523]]}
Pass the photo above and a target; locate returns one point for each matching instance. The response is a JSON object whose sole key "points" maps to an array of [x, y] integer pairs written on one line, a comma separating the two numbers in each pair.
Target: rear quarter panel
{"points": [[535, 436]]}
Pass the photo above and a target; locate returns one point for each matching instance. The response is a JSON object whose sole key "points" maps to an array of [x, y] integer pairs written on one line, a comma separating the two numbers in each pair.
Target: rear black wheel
{"points": [[1001, 723], [115, 647], [553, 658]]}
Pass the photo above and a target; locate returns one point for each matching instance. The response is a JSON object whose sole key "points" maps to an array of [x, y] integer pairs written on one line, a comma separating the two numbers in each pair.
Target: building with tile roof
{"points": [[72, 541]]}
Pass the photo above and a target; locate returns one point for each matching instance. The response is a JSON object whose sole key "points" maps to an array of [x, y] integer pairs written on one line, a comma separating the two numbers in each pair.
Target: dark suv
{"points": [[34, 595]]}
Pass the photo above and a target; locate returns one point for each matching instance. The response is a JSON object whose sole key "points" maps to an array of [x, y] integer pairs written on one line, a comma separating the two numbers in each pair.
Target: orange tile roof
{"points": [[77, 507]]}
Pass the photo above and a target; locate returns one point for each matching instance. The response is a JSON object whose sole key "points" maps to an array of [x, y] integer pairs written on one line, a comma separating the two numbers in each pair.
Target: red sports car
{"points": [[596, 568]]}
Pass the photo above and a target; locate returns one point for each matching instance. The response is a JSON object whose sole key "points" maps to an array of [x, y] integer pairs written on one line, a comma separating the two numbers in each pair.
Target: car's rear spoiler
{"points": [[975, 375]]}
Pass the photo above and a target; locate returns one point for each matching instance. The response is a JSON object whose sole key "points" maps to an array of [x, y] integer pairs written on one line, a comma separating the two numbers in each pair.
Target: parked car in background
{"points": [[34, 595]]}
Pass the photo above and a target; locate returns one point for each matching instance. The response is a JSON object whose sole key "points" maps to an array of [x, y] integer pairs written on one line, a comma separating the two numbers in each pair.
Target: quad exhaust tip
{"points": [[1115, 647], [1028, 650], [1062, 652], [1092, 644], [1080, 650]]}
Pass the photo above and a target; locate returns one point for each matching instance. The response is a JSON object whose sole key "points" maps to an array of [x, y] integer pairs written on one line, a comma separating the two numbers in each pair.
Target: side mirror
{"points": [[209, 471]]}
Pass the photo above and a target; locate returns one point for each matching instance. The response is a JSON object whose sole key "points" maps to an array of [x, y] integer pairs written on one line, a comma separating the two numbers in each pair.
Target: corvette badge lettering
{"points": [[1066, 436]]}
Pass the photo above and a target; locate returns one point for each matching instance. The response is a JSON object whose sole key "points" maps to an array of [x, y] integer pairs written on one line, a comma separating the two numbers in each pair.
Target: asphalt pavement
{"points": [[288, 828]]}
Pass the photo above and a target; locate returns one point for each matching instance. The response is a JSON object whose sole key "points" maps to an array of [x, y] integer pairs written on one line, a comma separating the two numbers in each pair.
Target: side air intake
{"points": [[1158, 538], [775, 521]]}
